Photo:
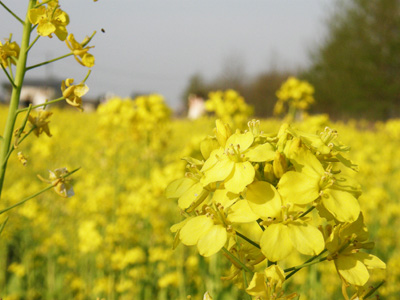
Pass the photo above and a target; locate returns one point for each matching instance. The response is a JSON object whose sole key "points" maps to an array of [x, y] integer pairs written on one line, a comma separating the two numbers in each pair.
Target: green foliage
{"points": [[354, 71]]}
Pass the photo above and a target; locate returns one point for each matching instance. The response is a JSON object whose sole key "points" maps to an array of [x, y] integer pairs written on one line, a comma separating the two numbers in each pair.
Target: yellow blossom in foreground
{"points": [[7, 52], [73, 93], [50, 19], [80, 51], [268, 285]]}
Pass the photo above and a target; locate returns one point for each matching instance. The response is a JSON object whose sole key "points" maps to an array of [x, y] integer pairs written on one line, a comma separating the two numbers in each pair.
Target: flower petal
{"points": [[194, 229], [298, 188], [342, 205], [275, 242], [306, 238], [241, 176], [264, 199], [212, 241]]}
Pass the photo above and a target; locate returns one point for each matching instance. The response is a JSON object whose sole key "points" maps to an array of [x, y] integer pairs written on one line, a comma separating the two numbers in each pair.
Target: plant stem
{"points": [[373, 290], [15, 95], [36, 194], [248, 240], [309, 262], [9, 77], [12, 13], [236, 260], [40, 105], [48, 62]]}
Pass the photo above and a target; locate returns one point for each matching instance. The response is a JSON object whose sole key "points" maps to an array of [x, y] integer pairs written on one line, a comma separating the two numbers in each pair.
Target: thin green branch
{"points": [[373, 290], [12, 13], [36, 194], [48, 62], [33, 43], [248, 240], [298, 268], [3, 225], [40, 105], [306, 212], [42, 3], [26, 199], [9, 77], [234, 258]]}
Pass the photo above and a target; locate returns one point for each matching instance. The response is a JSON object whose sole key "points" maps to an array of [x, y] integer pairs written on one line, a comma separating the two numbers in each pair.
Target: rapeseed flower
{"points": [[73, 93], [80, 51], [50, 19], [9, 52], [40, 122]]}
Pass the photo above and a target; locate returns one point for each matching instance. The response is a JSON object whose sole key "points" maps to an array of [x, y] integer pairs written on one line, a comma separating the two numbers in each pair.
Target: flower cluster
{"points": [[267, 193], [9, 53], [230, 107], [294, 95]]}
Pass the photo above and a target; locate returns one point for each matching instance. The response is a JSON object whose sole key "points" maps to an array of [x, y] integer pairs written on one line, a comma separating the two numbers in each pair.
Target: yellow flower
{"points": [[288, 232], [50, 19], [206, 232], [40, 122], [232, 164], [312, 182], [80, 51], [61, 184], [351, 263], [7, 52], [73, 93], [268, 284]]}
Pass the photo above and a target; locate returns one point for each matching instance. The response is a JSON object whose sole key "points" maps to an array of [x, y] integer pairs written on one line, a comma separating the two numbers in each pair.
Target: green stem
{"points": [[9, 77], [298, 268], [33, 43], [15, 95], [26, 199], [40, 105], [373, 290], [236, 260], [12, 13], [3, 225], [36, 194], [306, 212], [248, 240], [48, 62], [308, 261]]}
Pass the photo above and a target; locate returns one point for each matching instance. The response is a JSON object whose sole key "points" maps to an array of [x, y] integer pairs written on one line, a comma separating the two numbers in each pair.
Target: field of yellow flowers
{"points": [[112, 239]]}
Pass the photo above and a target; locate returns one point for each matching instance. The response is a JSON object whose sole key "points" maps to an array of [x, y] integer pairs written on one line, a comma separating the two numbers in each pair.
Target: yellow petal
{"points": [[177, 187], [275, 242], [241, 176], [194, 193], [35, 14], [81, 90], [298, 188], [212, 241], [46, 28], [194, 229], [261, 153], [342, 205], [369, 260], [263, 199], [244, 140], [306, 238], [241, 212], [258, 286], [219, 172], [352, 270], [88, 60]]}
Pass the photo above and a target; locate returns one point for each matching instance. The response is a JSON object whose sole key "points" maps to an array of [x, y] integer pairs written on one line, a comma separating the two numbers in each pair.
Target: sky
{"points": [[154, 46]]}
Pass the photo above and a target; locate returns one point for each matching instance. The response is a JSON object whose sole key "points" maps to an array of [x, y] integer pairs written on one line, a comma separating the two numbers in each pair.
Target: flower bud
{"points": [[279, 165]]}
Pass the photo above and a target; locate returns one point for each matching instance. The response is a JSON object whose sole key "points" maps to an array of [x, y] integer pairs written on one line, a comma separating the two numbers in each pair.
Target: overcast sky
{"points": [[156, 45]]}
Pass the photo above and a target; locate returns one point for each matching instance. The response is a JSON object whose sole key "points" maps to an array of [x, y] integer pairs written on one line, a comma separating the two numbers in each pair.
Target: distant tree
{"points": [[356, 71], [261, 91]]}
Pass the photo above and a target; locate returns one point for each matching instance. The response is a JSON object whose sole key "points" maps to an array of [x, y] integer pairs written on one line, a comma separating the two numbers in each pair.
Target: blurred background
{"points": [[349, 50]]}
